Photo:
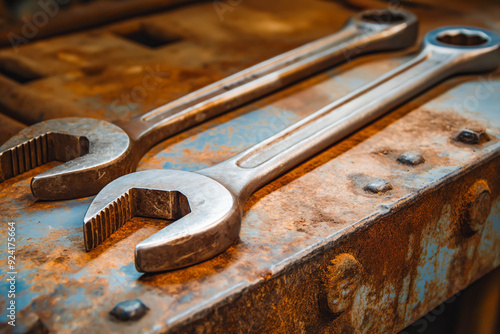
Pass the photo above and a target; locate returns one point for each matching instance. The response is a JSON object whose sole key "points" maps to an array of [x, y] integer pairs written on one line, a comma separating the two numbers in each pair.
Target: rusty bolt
{"points": [[476, 208], [343, 277], [472, 137], [132, 309], [32, 324], [411, 158], [378, 186]]}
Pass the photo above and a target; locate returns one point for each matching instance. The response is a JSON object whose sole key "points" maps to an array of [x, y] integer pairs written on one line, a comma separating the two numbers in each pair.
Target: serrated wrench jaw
{"points": [[89, 148], [207, 217]]}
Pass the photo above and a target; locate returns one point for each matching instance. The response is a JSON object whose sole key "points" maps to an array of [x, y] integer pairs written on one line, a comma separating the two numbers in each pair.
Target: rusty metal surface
{"points": [[408, 248], [8, 128], [100, 73], [42, 19]]}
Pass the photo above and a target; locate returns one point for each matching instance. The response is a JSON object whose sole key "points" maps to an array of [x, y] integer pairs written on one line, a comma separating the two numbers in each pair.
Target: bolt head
{"points": [[411, 158], [128, 310], [472, 137], [477, 205], [30, 323], [378, 186], [343, 276]]}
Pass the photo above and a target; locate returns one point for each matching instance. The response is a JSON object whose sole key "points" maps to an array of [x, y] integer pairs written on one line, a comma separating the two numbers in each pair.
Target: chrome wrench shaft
{"points": [[99, 151]]}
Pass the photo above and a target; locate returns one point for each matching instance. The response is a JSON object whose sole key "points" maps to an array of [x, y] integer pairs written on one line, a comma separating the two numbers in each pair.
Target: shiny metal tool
{"points": [[208, 203], [97, 152]]}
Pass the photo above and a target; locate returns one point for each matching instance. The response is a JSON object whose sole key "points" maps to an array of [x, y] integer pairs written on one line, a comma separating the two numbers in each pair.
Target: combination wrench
{"points": [[96, 152], [208, 204]]}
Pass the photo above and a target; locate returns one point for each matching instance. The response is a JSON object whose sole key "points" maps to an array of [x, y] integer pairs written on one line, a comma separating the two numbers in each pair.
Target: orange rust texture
{"points": [[296, 301], [121, 243], [95, 72], [90, 70]]}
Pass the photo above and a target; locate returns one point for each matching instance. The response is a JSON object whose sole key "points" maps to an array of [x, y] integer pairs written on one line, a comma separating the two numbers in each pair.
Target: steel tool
{"points": [[208, 203], [96, 152]]}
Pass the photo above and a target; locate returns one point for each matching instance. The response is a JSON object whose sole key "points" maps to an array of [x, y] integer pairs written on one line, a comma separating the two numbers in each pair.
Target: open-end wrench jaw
{"points": [[207, 214], [210, 201], [90, 148]]}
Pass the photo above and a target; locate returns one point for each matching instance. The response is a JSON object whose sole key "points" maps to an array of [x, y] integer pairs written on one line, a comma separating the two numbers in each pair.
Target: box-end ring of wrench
{"points": [[208, 203], [97, 152]]}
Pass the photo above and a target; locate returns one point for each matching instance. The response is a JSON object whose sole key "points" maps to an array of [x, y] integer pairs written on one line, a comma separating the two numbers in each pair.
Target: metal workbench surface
{"points": [[310, 235]]}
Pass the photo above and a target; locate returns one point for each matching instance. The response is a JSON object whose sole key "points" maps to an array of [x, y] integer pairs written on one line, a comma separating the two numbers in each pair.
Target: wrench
{"points": [[208, 203], [96, 152]]}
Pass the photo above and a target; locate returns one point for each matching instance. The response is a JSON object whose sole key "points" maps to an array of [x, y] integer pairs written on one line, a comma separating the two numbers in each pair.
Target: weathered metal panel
{"points": [[33, 20], [398, 253]]}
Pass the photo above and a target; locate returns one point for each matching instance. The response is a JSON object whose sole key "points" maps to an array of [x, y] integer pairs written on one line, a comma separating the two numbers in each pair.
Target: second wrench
{"points": [[97, 152]]}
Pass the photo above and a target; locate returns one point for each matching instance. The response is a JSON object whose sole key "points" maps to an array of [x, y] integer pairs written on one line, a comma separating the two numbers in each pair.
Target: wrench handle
{"points": [[360, 35], [251, 169]]}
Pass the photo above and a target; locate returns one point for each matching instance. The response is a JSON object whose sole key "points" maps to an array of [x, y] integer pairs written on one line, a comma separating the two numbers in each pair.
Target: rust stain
{"points": [[293, 227]]}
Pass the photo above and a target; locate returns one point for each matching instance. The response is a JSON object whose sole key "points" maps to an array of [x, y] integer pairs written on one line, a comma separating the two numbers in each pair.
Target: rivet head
{"points": [[30, 323], [343, 277], [378, 186], [411, 158], [132, 309], [472, 137], [477, 205]]}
